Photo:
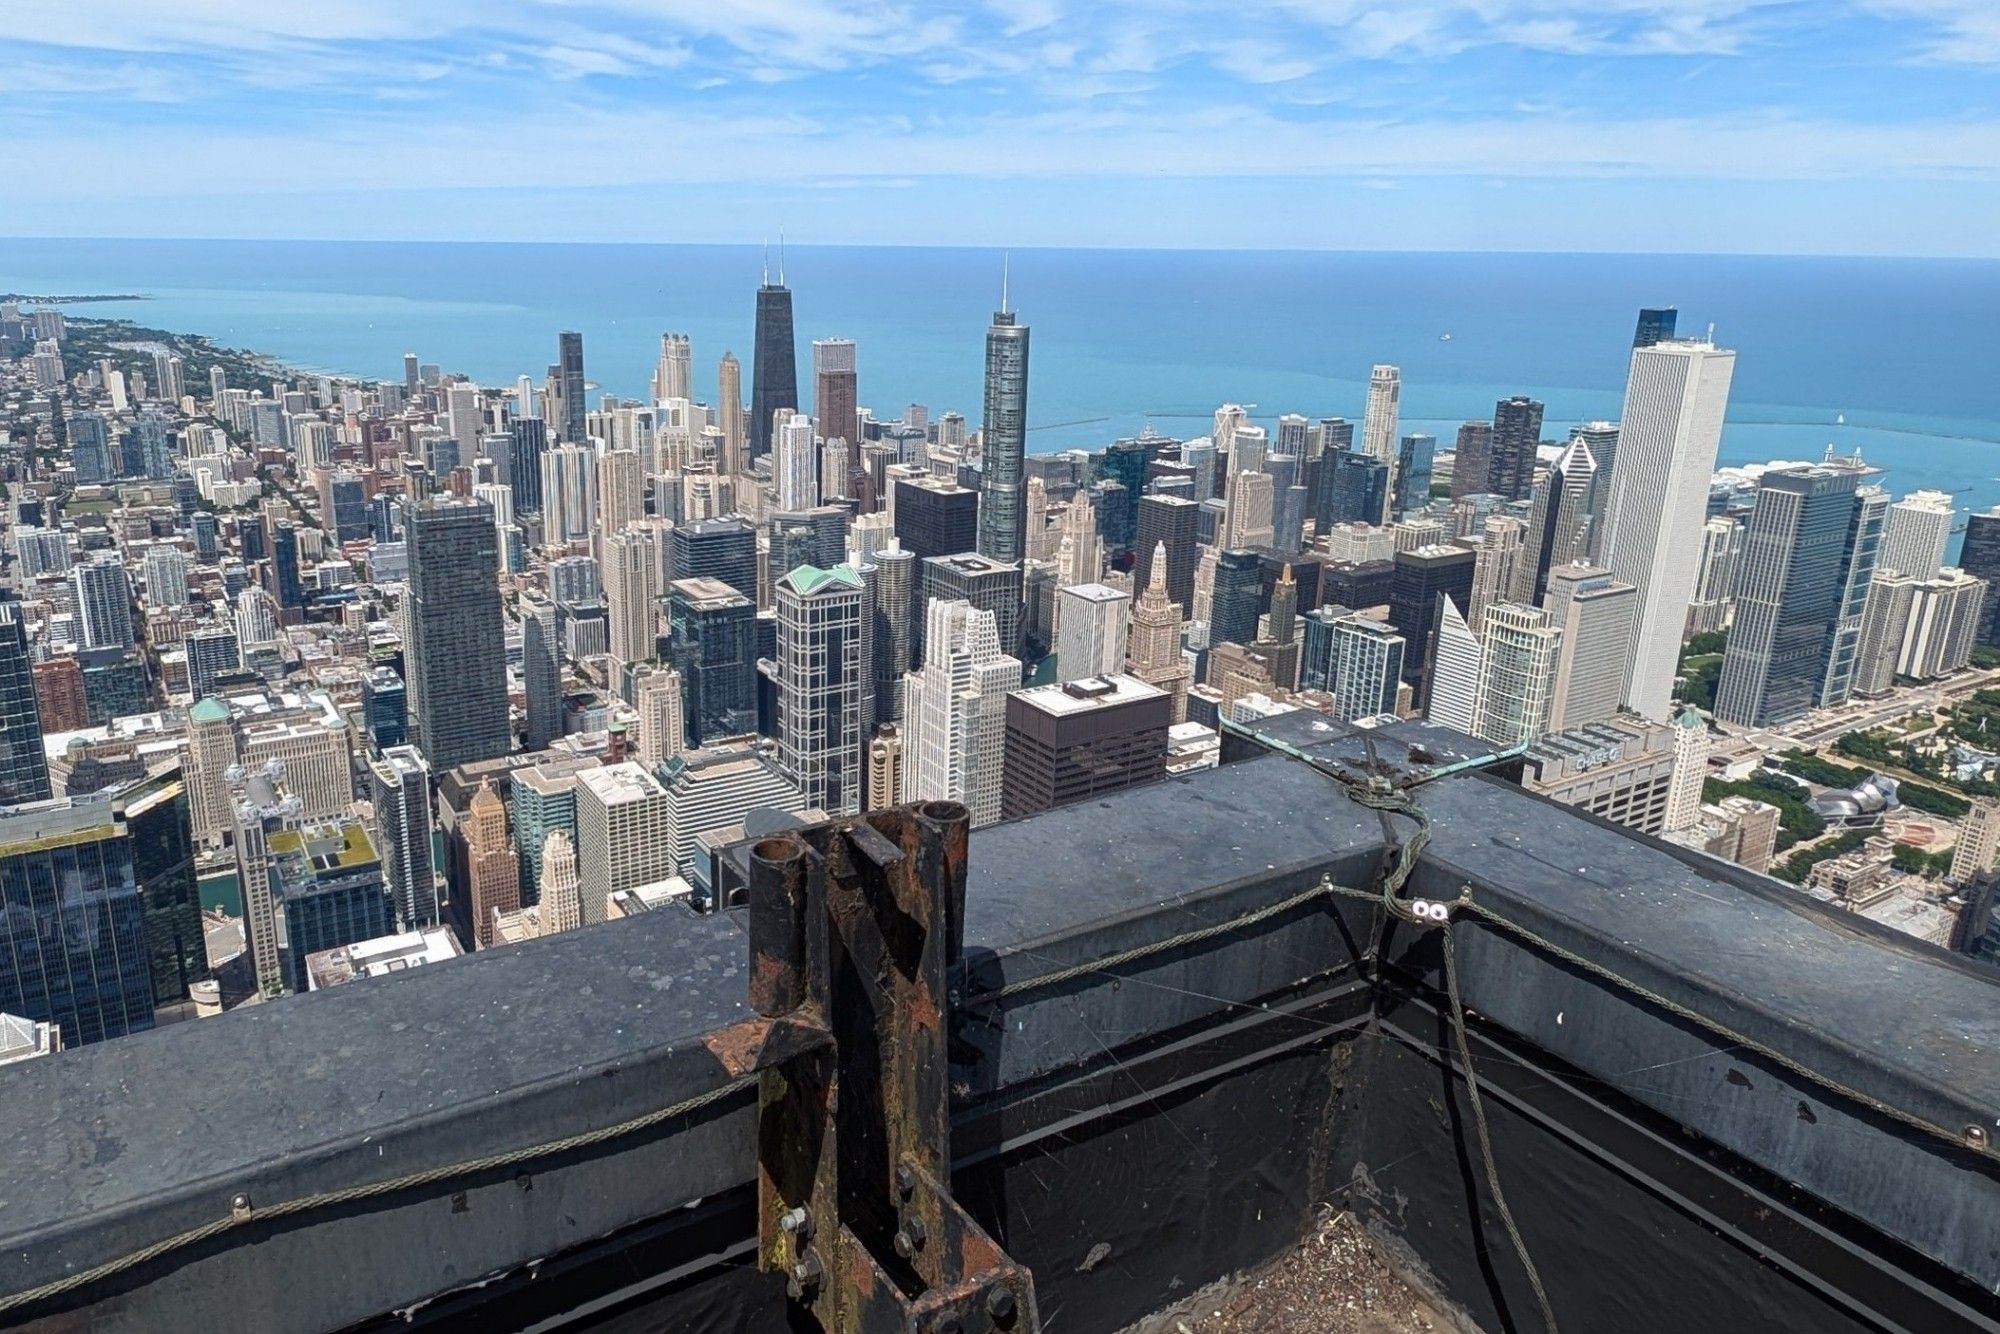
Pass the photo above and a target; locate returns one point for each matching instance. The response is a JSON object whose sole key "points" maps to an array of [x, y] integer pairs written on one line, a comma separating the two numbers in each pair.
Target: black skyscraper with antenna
{"points": [[774, 373]]}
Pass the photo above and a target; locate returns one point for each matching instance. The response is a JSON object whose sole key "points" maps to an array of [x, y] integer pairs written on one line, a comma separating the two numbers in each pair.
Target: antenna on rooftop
{"points": [[781, 256], [767, 263], [1006, 262]]}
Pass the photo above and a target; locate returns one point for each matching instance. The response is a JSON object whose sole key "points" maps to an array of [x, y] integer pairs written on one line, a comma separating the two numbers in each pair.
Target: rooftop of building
{"points": [[23, 1039], [933, 482], [1095, 593], [380, 957], [37, 826], [972, 562], [1175, 1050], [613, 784], [1600, 743], [648, 898], [1087, 694], [810, 580], [262, 707], [324, 847], [140, 729], [704, 593]]}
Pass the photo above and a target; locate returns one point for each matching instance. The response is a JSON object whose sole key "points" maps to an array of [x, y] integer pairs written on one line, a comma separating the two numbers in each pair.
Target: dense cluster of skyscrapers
{"points": [[449, 666]]}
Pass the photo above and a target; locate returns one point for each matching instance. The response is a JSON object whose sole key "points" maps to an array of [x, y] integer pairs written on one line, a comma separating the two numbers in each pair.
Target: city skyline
{"points": [[700, 624], [1430, 759]]}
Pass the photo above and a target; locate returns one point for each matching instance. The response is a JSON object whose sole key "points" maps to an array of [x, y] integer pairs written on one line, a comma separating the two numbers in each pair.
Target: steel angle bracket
{"points": [[853, 924]]}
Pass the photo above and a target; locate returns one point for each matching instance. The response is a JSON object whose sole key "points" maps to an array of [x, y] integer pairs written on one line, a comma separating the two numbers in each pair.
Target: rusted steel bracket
{"points": [[852, 926]]}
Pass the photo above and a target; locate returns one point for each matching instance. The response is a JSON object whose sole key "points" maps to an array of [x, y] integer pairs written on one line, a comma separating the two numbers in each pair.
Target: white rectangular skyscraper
{"points": [[1378, 425], [1915, 533], [1675, 399], [1092, 622]]}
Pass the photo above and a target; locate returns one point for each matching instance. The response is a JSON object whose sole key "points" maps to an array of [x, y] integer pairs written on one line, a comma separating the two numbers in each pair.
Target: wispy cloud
{"points": [[160, 98]]}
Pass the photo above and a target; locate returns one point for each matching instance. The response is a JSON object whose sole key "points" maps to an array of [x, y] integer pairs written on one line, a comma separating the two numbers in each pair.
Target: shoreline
{"points": [[44, 299], [275, 368]]}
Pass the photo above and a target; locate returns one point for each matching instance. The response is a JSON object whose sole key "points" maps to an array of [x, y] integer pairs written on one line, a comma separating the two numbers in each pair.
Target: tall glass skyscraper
{"points": [[1353, 488], [724, 549], [1414, 458], [541, 670], [24, 766], [774, 369], [1656, 325], [455, 656], [1003, 515], [155, 815], [528, 441], [569, 383], [384, 707], [1980, 558], [713, 639], [72, 923], [1789, 595], [1239, 589]]}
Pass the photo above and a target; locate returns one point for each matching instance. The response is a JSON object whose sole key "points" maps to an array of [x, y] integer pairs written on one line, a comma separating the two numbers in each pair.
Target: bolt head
{"points": [[795, 1222], [906, 1181], [913, 1227], [239, 1203], [904, 1246], [1000, 1304]]}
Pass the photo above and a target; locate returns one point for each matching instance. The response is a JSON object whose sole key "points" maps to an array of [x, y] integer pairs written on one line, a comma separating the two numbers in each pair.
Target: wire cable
{"points": [[1485, 1138]]}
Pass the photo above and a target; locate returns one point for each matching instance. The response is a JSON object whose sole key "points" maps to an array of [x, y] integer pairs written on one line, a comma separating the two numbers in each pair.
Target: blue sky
{"points": [[1830, 126]]}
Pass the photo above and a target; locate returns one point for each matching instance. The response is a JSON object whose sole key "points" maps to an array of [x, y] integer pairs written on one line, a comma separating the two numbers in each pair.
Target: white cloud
{"points": [[633, 148], [1956, 31]]}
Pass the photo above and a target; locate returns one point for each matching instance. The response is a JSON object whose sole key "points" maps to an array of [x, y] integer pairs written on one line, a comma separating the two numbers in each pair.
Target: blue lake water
{"points": [[1908, 351]]}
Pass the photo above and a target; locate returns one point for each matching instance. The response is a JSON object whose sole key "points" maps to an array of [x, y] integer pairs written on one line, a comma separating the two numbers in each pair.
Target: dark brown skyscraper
{"points": [[835, 394], [1472, 459], [1517, 430], [1081, 740]]}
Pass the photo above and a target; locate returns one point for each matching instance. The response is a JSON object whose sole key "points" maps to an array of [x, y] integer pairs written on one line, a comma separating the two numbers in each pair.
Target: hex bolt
{"points": [[1000, 1305], [1975, 1135], [913, 1228], [906, 1181], [903, 1244], [796, 1223], [806, 1275]]}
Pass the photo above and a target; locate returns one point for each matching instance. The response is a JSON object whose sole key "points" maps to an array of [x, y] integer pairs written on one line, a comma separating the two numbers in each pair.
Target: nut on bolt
{"points": [[796, 1223], [906, 1181], [806, 1276], [1000, 1305]]}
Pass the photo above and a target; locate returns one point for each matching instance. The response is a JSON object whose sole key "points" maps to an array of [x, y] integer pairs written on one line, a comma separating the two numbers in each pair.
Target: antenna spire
{"points": [[767, 264], [1006, 262], [781, 256]]}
